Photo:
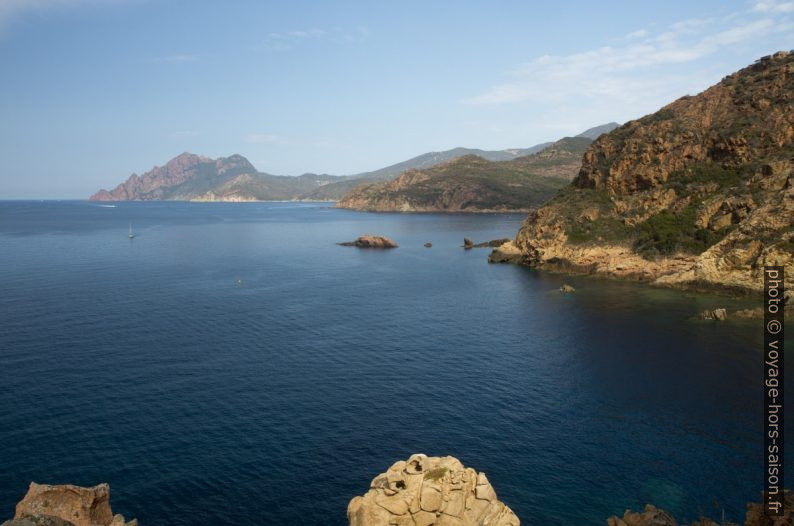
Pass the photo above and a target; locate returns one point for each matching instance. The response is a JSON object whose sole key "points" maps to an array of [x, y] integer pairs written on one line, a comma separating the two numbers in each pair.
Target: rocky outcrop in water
{"points": [[424, 491], [370, 241], [66, 505], [697, 195]]}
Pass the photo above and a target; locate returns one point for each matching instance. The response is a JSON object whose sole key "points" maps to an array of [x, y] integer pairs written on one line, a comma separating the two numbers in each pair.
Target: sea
{"points": [[231, 364]]}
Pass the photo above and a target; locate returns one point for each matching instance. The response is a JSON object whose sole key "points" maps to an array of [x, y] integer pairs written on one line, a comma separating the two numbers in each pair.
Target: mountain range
{"points": [[198, 178]]}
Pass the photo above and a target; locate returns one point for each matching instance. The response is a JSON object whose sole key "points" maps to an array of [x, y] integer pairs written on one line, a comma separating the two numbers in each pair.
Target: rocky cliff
{"points": [[424, 491], [697, 195], [473, 184]]}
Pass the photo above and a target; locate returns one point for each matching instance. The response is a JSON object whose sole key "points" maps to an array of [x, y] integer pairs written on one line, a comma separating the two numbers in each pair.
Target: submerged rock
{"points": [[652, 516], [750, 314], [424, 491], [716, 314], [369, 241], [66, 505]]}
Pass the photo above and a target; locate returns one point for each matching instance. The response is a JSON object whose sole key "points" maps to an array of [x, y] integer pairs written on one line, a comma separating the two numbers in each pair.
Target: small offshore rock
{"points": [[428, 245], [716, 314], [430, 490], [369, 241], [565, 288], [467, 242]]}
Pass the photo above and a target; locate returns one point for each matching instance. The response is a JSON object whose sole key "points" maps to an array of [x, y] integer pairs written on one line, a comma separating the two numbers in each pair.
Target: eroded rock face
{"points": [[424, 491], [369, 241], [66, 505]]}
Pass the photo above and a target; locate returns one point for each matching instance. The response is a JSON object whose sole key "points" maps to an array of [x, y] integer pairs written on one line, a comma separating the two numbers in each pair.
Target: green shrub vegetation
{"points": [[704, 173], [668, 232]]}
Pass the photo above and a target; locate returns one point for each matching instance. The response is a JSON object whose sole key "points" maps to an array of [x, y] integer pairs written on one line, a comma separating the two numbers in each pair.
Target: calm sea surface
{"points": [[274, 400]]}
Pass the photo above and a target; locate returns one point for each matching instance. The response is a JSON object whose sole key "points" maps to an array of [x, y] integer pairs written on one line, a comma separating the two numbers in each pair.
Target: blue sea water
{"points": [[275, 399]]}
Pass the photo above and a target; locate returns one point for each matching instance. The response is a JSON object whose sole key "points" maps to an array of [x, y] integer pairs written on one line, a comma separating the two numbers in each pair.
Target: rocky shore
{"points": [[66, 505], [419, 491]]}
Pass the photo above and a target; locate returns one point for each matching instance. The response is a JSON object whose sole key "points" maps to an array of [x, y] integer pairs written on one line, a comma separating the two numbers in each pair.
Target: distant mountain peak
{"points": [[596, 131]]}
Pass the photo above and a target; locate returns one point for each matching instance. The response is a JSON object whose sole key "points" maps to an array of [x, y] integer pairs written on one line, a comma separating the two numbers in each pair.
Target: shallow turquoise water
{"points": [[275, 400]]}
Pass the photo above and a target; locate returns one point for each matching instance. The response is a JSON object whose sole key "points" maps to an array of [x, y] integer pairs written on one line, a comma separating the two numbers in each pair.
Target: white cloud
{"points": [[634, 75], [773, 6], [639, 68]]}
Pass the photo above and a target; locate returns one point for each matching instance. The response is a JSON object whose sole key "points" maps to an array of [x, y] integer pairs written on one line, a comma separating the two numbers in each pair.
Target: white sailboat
{"points": [[130, 235]]}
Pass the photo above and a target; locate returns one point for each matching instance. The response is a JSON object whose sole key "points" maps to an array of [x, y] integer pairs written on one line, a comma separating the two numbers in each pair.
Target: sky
{"points": [[94, 90]]}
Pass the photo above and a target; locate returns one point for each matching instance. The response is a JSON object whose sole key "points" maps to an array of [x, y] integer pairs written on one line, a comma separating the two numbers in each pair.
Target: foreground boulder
{"points": [[426, 491], [368, 241], [66, 505]]}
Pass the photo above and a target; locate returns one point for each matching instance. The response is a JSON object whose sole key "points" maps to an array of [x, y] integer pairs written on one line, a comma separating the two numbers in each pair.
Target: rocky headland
{"points": [[698, 195], [473, 184]]}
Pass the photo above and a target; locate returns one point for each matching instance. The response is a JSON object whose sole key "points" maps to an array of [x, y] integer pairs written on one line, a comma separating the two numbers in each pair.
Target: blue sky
{"points": [[93, 90]]}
